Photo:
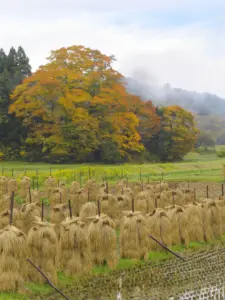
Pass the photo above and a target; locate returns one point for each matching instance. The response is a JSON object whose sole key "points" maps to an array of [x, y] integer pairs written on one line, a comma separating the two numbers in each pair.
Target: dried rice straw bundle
{"points": [[42, 244], [4, 202], [221, 206], [49, 185], [12, 186], [214, 217], [5, 219], [188, 195], [77, 200], [159, 226], [134, 236], [64, 192], [124, 203], [195, 228], [75, 186], [102, 237], [109, 206], [12, 253], [141, 202], [25, 184], [29, 212], [56, 197], [3, 185], [75, 256], [33, 196], [121, 184], [59, 213], [179, 222], [87, 211], [177, 197]]}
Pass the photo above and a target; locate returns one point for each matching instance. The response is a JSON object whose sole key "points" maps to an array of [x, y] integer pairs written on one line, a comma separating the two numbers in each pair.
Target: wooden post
{"points": [[89, 172], [11, 208], [42, 210], [25, 171], [194, 194], [12, 172], [207, 192], [140, 175], [162, 176], [2, 171], [37, 181], [74, 175], [50, 171], [30, 195], [222, 188], [99, 209], [70, 208], [132, 204], [80, 179]]}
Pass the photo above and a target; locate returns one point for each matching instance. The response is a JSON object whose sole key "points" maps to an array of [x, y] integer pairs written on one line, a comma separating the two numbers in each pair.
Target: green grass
{"points": [[196, 166]]}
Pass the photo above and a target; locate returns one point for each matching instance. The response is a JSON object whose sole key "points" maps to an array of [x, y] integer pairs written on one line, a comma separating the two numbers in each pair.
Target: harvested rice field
{"points": [[95, 235]]}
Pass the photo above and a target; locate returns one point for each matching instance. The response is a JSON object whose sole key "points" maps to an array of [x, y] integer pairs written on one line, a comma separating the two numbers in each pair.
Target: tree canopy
{"points": [[76, 108]]}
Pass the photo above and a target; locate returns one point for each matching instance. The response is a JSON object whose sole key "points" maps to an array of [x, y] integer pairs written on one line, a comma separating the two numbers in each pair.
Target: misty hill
{"points": [[198, 103]]}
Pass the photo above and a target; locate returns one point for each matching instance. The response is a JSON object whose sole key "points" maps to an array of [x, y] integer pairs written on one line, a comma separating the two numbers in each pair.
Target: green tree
{"points": [[14, 67]]}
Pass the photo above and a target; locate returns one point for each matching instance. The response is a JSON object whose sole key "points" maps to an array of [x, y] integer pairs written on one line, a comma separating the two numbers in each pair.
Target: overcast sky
{"points": [[177, 41]]}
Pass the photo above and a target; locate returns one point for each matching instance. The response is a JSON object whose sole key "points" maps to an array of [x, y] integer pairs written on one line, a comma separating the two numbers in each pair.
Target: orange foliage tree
{"points": [[76, 105]]}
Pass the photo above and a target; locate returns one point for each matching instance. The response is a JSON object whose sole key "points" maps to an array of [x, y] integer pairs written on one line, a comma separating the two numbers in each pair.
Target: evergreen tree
{"points": [[14, 67]]}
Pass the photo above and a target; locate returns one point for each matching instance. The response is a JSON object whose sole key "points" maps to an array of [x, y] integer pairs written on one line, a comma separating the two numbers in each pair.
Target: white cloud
{"points": [[187, 57]]}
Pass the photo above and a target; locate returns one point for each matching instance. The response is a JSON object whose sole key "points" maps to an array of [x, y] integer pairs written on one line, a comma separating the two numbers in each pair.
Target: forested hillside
{"points": [[208, 109]]}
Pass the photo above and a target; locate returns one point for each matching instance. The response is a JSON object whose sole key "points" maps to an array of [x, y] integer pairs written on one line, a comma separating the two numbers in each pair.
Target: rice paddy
{"points": [[87, 228]]}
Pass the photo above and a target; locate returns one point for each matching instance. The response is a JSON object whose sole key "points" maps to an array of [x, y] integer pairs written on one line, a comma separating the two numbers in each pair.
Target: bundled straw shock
{"points": [[12, 253], [59, 213], [134, 236], [159, 226], [42, 246], [74, 256], [102, 237]]}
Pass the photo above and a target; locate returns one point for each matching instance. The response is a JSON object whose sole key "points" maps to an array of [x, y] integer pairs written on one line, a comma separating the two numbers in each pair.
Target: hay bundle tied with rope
{"points": [[12, 186], [188, 196], [195, 228], [75, 186], [92, 189], [109, 206], [177, 197], [87, 211], [58, 214], [221, 206], [64, 192], [42, 244], [3, 185], [74, 255], [56, 197], [49, 185], [144, 202], [102, 237], [77, 200], [159, 226], [25, 184], [214, 217], [12, 255], [161, 186], [33, 196], [134, 236], [5, 217], [179, 222], [4, 202], [29, 212]]}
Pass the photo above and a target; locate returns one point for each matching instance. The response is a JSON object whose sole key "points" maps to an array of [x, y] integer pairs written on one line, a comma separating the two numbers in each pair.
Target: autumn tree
{"points": [[177, 134], [74, 107]]}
